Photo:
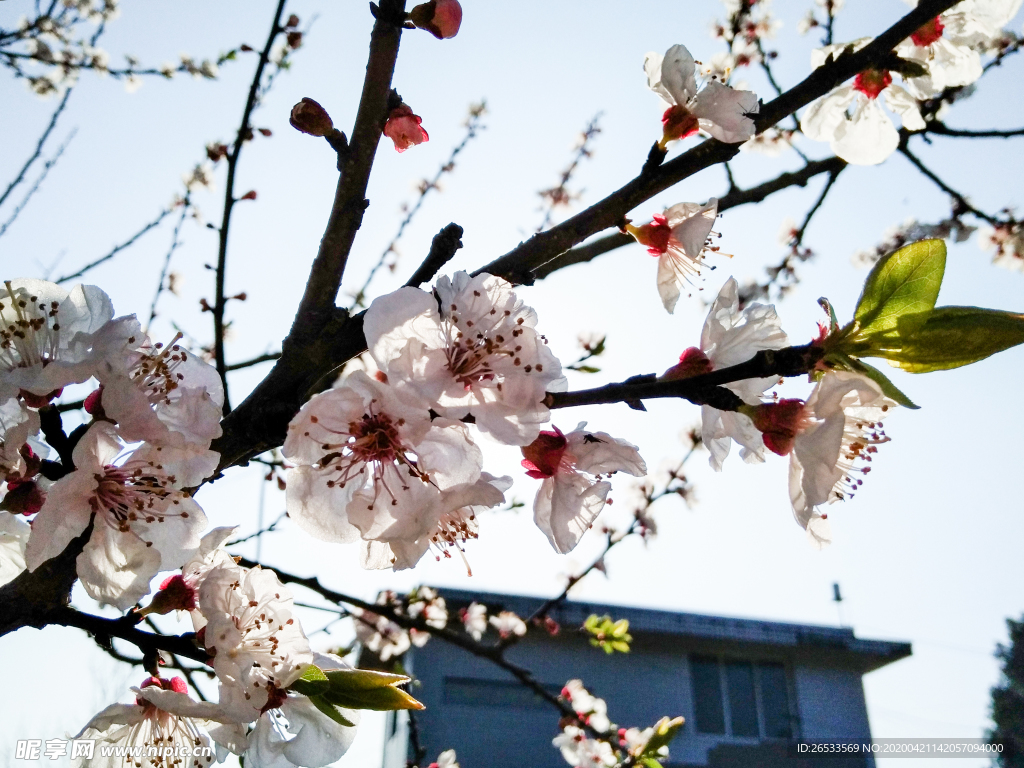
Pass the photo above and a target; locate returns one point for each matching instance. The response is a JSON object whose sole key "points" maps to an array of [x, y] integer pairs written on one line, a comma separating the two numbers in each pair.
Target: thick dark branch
{"points": [[317, 306], [117, 248], [39, 147], [126, 629], [243, 135], [732, 199], [705, 389], [518, 264]]}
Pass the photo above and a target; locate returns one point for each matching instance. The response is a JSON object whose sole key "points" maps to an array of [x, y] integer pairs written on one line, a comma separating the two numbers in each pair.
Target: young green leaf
{"points": [[888, 388], [312, 682], [368, 689], [904, 283], [956, 336], [331, 711]]}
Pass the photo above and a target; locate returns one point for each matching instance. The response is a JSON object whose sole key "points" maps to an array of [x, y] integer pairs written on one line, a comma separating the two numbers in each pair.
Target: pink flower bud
{"points": [[692, 362], [309, 117], [94, 403], [175, 595], [780, 423], [441, 18], [403, 128], [544, 454]]}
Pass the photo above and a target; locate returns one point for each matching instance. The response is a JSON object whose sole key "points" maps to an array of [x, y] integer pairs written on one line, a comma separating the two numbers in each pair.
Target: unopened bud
{"points": [[94, 404], [175, 595], [293, 21], [309, 117], [441, 18], [693, 362], [403, 127]]}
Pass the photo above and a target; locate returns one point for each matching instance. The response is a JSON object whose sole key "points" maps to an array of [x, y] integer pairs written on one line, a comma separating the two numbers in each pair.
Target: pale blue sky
{"points": [[927, 552]]}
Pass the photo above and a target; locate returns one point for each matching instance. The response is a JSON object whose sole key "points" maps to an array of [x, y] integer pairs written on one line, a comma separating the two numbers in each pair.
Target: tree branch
{"points": [[243, 135], [39, 147], [732, 199], [705, 389], [117, 248], [175, 242], [126, 629]]}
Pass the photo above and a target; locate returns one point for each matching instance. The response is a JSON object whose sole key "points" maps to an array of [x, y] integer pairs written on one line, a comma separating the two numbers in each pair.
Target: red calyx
{"points": [[544, 454], [678, 122], [928, 33], [780, 423], [872, 82]]}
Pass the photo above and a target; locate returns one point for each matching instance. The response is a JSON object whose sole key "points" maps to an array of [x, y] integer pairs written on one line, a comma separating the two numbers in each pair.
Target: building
{"points": [[746, 687]]}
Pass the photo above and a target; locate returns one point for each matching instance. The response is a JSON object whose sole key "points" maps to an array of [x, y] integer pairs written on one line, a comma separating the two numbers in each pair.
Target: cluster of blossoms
{"points": [[386, 639], [591, 740], [944, 53], [244, 619], [390, 461], [123, 476], [746, 26]]}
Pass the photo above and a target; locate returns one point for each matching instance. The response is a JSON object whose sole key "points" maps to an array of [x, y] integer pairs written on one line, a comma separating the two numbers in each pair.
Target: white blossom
{"points": [[17, 424], [572, 493], [678, 237], [168, 397], [14, 533], [851, 118], [479, 354], [142, 522], [399, 542], [368, 456], [150, 724], [51, 337], [508, 624], [833, 450], [258, 646], [716, 108], [579, 749], [474, 619], [732, 336]]}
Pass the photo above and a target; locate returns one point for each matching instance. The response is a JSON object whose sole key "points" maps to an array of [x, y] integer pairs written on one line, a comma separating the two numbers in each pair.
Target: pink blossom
{"points": [[403, 127]]}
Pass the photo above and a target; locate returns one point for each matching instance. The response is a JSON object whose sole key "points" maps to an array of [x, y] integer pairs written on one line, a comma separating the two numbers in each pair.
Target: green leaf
{"points": [[330, 710], [585, 369], [888, 388], [312, 682], [664, 731], [833, 322], [650, 762], [368, 689], [901, 284], [957, 336]]}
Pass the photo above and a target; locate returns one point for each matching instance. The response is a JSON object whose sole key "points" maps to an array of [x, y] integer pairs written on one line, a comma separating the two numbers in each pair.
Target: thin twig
{"points": [[175, 242], [832, 176], [39, 147], [560, 195], [117, 248], [269, 356], [960, 199], [186, 671], [268, 529], [244, 132], [38, 182]]}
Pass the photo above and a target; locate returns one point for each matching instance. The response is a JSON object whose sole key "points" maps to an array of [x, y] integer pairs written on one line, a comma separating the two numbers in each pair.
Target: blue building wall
{"points": [[491, 721]]}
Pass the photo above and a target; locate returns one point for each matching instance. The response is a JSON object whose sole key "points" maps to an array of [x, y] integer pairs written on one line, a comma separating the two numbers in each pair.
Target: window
{"points": [[707, 694], [741, 698]]}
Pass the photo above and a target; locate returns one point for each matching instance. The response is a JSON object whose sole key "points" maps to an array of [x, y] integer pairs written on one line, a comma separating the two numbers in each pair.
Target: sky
{"points": [[928, 551]]}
